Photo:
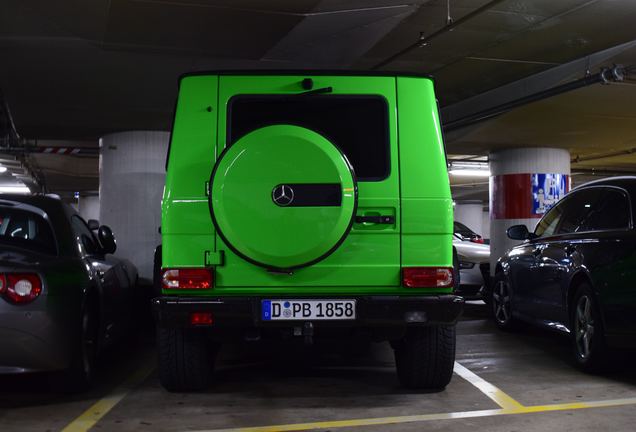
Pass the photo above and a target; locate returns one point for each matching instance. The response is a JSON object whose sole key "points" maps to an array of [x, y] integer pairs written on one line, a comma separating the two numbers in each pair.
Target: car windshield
{"points": [[356, 124], [27, 230]]}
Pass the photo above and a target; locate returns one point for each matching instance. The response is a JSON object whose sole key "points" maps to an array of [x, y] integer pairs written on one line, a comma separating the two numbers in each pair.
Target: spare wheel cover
{"points": [[283, 197]]}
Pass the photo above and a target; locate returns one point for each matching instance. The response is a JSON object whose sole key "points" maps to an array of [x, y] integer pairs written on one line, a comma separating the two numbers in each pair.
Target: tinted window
{"points": [[548, 224], [610, 211], [358, 125], [577, 211], [26, 230], [85, 237]]}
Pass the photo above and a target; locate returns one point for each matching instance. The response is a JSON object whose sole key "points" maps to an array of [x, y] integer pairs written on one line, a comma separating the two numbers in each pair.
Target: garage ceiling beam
{"points": [[605, 76], [532, 84]]}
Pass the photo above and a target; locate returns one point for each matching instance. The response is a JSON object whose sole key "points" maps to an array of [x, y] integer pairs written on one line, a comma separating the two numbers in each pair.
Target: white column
{"points": [[524, 183], [131, 181]]}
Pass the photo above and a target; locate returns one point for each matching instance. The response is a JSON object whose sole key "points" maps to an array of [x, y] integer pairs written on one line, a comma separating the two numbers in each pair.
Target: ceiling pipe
{"points": [[605, 76], [424, 40], [578, 158]]}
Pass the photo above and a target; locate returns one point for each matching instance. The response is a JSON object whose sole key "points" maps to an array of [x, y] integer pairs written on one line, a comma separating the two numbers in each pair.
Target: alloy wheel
{"points": [[88, 344], [501, 302], [583, 327]]}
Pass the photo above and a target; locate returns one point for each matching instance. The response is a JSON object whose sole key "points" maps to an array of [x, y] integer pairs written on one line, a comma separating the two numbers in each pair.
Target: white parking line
{"points": [[501, 398]]}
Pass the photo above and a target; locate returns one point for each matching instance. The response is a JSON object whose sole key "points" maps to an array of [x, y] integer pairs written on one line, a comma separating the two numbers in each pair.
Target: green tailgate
{"points": [[370, 257]]}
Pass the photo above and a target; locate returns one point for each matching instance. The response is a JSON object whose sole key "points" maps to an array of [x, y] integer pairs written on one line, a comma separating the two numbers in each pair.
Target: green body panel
{"points": [[369, 260], [427, 209]]}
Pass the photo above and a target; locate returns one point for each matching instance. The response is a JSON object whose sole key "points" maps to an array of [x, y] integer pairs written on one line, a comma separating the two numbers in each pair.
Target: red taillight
{"points": [[20, 288], [201, 318], [427, 277], [477, 240], [187, 278]]}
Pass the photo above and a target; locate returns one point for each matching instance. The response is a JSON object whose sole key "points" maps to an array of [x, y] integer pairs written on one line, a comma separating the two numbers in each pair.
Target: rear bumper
{"points": [[31, 341], [372, 311]]}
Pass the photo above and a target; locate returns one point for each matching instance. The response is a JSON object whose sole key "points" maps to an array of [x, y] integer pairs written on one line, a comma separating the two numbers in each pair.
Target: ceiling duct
{"points": [[607, 75]]}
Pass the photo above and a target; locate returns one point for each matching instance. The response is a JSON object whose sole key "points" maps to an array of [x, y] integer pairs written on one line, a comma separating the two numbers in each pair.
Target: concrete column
{"points": [[524, 184], [470, 214], [131, 181], [88, 207]]}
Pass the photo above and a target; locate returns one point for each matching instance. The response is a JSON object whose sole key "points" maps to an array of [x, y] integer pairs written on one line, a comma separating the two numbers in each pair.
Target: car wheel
{"points": [[79, 376], [186, 359], [501, 303], [156, 272], [424, 359], [588, 342]]}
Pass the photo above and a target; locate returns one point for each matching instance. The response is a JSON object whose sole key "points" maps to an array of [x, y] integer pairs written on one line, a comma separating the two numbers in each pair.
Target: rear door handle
{"points": [[388, 220]]}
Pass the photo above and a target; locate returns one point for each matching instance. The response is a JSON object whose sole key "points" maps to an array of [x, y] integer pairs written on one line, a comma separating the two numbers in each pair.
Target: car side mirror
{"points": [[519, 232], [107, 239], [93, 224]]}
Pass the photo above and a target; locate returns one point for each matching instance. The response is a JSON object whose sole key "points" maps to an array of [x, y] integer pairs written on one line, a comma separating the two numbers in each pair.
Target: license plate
{"points": [[278, 310]]}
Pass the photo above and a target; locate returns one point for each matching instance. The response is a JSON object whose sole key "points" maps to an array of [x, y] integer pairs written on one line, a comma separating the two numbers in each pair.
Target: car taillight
{"points": [[479, 240], [427, 277], [20, 288], [187, 278]]}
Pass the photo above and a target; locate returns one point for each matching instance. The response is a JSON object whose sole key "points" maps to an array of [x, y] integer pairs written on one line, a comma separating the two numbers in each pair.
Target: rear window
{"points": [[27, 230], [358, 124]]}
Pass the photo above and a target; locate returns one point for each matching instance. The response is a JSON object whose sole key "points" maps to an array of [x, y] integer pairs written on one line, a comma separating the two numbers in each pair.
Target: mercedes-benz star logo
{"points": [[283, 195]]}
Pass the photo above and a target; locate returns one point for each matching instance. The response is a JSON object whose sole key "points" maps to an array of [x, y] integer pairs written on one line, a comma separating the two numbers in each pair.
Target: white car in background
{"points": [[474, 262]]}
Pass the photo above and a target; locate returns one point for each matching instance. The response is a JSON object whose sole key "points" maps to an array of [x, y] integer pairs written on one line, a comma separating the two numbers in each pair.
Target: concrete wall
{"points": [[471, 215], [131, 181], [88, 207]]}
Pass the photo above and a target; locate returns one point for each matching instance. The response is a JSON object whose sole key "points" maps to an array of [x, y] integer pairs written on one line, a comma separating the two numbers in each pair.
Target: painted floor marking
{"points": [[507, 403], [99, 409], [494, 393], [429, 417]]}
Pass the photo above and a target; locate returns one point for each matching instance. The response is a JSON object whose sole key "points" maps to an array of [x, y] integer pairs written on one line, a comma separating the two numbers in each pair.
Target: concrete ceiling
{"points": [[78, 69]]}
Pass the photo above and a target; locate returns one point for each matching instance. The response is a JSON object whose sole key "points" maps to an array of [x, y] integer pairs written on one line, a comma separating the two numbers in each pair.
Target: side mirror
{"points": [[93, 224], [518, 232], [107, 239]]}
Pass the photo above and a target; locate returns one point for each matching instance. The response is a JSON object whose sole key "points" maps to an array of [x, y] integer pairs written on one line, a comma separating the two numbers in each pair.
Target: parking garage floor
{"points": [[502, 382]]}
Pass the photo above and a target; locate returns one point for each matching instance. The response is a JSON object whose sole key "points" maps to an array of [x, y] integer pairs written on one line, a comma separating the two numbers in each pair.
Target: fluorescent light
{"points": [[469, 172], [18, 189]]}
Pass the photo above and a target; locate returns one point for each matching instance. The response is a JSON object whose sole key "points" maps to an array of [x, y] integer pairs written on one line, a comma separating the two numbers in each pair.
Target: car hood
{"points": [[474, 252]]}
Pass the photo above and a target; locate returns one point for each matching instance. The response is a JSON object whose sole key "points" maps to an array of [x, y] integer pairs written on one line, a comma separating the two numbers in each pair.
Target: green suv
{"points": [[306, 205]]}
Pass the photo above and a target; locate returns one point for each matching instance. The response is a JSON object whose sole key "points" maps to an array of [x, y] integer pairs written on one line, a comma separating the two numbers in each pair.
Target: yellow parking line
{"points": [[501, 398], [99, 409], [428, 417]]}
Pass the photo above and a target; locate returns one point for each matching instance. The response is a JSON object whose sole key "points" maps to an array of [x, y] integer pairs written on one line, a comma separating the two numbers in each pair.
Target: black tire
{"points": [[186, 359], [501, 303], [156, 272], [425, 358], [79, 376], [588, 341]]}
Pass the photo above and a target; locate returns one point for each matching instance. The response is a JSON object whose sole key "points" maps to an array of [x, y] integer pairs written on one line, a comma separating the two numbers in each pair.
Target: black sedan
{"points": [[63, 296], [577, 272]]}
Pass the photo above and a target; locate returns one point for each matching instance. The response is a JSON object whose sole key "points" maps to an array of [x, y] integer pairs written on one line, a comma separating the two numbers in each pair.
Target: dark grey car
{"points": [[63, 296]]}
